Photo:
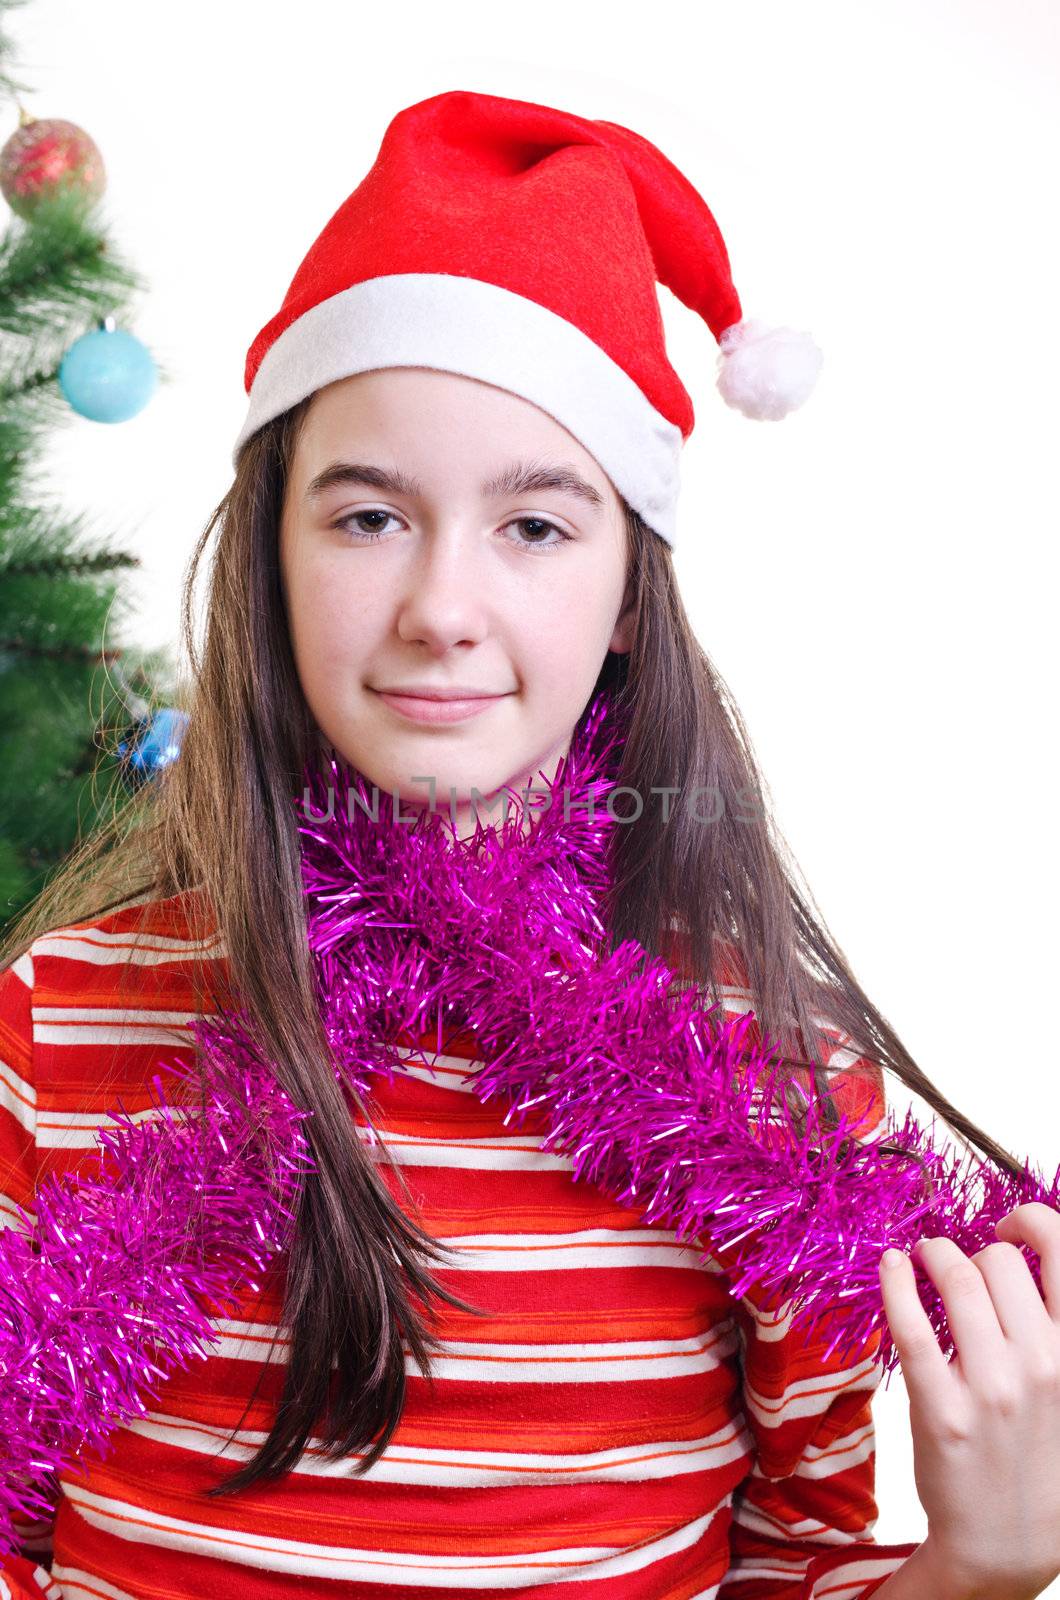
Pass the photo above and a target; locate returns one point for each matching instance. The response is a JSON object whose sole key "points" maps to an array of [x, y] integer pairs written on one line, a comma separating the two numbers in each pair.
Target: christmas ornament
{"points": [[46, 156], [107, 375], [671, 1109], [153, 745]]}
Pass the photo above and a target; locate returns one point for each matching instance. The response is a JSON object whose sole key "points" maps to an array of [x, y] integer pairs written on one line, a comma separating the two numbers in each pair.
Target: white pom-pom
{"points": [[766, 372]]}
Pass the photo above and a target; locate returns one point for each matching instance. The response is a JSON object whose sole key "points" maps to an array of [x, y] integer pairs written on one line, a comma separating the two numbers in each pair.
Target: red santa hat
{"points": [[521, 245]]}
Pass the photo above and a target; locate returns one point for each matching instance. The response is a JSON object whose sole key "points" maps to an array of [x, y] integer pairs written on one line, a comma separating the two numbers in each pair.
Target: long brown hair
{"points": [[219, 822]]}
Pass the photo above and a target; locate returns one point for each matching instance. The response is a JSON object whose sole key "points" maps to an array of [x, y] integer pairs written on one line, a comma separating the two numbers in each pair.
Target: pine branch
{"points": [[49, 652], [9, 86], [59, 266], [61, 566], [34, 380], [31, 532]]}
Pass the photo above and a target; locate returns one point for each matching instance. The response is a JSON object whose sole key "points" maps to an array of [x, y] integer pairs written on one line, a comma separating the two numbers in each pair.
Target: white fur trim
{"points": [[464, 325]]}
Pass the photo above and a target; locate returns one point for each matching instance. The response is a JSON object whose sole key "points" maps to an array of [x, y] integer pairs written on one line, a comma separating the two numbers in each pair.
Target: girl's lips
{"points": [[420, 710]]}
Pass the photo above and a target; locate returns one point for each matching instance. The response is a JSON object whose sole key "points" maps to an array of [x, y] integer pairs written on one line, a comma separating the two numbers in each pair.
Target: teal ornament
{"points": [[153, 745], [108, 375]]}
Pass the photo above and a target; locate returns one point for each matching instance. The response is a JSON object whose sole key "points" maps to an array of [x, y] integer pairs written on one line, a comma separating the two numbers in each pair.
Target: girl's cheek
{"points": [[327, 596]]}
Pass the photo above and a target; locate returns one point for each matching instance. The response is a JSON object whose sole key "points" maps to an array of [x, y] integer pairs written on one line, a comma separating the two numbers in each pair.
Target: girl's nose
{"points": [[441, 602]]}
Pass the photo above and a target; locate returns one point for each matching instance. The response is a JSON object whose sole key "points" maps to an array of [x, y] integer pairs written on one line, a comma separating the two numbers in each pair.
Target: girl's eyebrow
{"points": [[519, 477]]}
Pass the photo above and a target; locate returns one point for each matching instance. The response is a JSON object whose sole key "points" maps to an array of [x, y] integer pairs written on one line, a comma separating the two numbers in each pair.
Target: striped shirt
{"points": [[616, 1419]]}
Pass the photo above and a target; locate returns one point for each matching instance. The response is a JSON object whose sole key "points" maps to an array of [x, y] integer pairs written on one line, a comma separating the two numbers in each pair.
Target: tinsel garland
{"points": [[656, 1098]]}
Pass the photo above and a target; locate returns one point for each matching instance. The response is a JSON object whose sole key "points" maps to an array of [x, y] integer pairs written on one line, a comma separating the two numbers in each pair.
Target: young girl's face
{"points": [[435, 573]]}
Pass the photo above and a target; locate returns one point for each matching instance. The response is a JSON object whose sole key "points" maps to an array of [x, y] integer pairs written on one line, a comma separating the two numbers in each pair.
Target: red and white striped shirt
{"points": [[617, 1420]]}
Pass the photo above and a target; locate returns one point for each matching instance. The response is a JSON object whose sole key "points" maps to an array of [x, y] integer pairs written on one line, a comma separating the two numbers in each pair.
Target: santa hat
{"points": [[521, 245]]}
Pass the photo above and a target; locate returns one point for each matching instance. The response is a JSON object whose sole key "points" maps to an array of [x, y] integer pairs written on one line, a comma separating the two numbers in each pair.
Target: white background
{"points": [[875, 576]]}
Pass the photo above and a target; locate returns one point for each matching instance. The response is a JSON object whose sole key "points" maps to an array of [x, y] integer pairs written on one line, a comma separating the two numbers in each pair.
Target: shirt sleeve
{"points": [[24, 1576], [802, 1519]]}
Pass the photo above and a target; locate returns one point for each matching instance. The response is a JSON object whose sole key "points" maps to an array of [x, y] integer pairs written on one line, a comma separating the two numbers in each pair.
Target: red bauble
{"points": [[45, 155]]}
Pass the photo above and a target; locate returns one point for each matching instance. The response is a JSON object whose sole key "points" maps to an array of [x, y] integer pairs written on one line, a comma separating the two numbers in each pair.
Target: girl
{"points": [[449, 529]]}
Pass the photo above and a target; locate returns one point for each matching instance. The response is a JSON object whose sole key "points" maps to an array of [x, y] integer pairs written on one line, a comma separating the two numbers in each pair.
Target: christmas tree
{"points": [[76, 709]]}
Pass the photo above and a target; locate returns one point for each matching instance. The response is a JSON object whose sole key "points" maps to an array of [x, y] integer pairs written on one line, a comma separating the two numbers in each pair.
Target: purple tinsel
{"points": [[654, 1096], [108, 1290], [657, 1099]]}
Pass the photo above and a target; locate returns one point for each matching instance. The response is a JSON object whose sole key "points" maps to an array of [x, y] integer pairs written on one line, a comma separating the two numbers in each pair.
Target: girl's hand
{"points": [[986, 1424]]}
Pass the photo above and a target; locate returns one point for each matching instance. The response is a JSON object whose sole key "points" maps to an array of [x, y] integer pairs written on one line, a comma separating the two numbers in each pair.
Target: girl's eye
{"points": [[353, 524], [539, 522]]}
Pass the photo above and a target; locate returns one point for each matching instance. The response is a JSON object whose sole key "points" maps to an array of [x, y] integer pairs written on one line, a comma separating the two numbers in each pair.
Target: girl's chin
{"points": [[419, 783]]}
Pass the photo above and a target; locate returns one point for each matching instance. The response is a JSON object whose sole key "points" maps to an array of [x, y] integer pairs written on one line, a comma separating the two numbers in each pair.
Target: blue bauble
{"points": [[108, 375], [157, 743]]}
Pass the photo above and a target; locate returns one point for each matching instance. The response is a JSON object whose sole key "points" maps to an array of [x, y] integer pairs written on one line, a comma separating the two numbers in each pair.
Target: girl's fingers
{"points": [[1039, 1226], [970, 1312], [924, 1367], [1017, 1304]]}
